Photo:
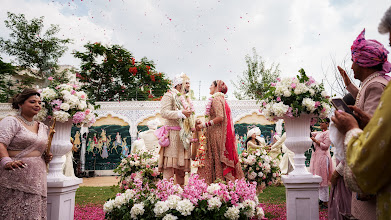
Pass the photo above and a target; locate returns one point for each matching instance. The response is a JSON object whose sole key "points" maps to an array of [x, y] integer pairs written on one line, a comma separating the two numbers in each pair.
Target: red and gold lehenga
{"points": [[221, 159]]}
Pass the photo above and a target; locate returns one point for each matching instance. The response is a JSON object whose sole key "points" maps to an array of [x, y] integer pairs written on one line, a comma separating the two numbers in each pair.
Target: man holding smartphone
{"points": [[369, 66]]}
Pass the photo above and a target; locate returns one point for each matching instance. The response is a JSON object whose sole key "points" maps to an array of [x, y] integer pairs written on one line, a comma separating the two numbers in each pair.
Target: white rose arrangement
{"points": [[64, 102], [295, 96]]}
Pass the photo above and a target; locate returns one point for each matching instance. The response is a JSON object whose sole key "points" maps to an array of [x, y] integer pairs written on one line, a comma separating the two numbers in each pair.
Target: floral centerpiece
{"points": [[63, 102], [293, 96], [261, 168], [140, 166], [197, 200]]}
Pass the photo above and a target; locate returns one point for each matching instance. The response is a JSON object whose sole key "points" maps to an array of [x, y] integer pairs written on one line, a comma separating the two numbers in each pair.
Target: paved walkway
{"points": [[100, 181]]}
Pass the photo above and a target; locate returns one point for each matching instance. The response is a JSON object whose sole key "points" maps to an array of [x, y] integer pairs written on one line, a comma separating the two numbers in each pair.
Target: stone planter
{"points": [[298, 141], [61, 144]]}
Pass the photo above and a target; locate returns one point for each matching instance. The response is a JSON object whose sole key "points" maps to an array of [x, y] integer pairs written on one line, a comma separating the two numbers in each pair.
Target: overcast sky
{"points": [[209, 39]]}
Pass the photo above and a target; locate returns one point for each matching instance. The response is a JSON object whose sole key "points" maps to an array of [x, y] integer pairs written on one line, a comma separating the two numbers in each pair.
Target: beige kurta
{"points": [[368, 100], [174, 156], [370, 93]]}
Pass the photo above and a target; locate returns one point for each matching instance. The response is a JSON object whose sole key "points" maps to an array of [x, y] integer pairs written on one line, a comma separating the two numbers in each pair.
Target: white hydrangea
{"points": [[172, 201], [185, 207], [82, 95], [280, 109], [82, 105], [287, 93], [72, 100], [66, 87], [160, 208], [119, 201], [300, 89], [129, 194], [213, 187], [324, 94], [251, 204], [312, 91], [214, 203], [309, 104], [232, 213], [260, 174], [61, 116], [108, 206], [65, 106], [170, 217], [137, 209], [65, 94], [48, 93]]}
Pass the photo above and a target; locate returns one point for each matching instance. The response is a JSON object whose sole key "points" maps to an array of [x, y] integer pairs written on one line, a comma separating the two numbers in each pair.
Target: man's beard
{"points": [[186, 91]]}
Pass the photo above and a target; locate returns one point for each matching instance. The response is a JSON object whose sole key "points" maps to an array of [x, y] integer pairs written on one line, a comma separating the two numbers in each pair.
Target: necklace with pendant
{"points": [[28, 123]]}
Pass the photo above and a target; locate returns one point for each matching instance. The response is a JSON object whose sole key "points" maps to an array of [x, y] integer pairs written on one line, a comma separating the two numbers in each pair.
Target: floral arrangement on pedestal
{"points": [[197, 200], [63, 102], [294, 96], [140, 166], [261, 168]]}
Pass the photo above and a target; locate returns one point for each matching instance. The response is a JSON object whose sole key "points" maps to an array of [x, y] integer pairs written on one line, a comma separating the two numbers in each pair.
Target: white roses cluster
{"points": [[62, 101], [286, 96]]}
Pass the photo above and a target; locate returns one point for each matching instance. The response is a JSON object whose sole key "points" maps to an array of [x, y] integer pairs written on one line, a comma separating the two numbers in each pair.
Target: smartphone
{"points": [[341, 105]]}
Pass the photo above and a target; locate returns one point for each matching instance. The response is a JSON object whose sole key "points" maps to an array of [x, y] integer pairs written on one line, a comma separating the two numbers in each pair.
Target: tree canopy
{"points": [[253, 83], [110, 73], [34, 50]]}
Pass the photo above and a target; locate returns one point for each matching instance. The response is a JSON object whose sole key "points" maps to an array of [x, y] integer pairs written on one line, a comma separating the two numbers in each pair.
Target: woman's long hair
{"points": [[249, 139]]}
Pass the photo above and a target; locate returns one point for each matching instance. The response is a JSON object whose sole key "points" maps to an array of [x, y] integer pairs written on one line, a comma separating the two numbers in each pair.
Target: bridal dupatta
{"points": [[230, 150]]}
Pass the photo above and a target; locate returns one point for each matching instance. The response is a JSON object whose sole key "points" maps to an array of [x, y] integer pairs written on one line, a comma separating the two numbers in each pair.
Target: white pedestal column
{"points": [[302, 188], [302, 197], [61, 189], [61, 199]]}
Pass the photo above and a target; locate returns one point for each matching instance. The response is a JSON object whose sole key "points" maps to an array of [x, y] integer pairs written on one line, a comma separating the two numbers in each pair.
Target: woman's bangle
{"points": [[208, 124], [4, 161]]}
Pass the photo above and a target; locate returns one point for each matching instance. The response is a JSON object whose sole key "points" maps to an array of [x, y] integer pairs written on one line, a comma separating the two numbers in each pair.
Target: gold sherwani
{"points": [[173, 156]]}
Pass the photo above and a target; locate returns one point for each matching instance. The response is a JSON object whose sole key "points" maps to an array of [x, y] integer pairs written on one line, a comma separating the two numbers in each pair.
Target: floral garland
{"points": [[186, 124], [209, 104]]}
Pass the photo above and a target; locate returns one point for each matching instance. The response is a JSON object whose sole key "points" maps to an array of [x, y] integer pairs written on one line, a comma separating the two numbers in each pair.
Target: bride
{"points": [[221, 158]]}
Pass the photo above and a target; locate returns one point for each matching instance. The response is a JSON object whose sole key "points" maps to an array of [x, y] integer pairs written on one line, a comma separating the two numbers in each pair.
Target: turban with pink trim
{"points": [[370, 53]]}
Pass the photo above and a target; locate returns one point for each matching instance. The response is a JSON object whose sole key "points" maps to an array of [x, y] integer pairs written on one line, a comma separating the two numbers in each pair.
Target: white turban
{"points": [[255, 131], [180, 79]]}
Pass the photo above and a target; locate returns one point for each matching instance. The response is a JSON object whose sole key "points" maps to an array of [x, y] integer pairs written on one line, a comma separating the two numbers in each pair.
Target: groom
{"points": [[177, 110]]}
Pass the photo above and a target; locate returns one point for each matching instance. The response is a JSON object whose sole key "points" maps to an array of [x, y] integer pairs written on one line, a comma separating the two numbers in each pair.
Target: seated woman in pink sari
{"points": [[221, 159], [22, 167]]}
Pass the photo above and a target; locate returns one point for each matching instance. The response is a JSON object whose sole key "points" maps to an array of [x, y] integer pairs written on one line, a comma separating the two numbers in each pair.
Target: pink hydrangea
{"points": [[56, 104], [79, 117]]}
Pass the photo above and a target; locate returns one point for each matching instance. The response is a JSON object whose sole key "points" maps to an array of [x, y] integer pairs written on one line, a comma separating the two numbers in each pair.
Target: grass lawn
{"points": [[88, 195], [272, 194]]}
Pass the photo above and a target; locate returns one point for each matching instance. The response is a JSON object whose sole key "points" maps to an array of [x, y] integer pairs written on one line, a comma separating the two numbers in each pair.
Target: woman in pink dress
{"points": [[321, 164], [23, 142], [221, 159]]}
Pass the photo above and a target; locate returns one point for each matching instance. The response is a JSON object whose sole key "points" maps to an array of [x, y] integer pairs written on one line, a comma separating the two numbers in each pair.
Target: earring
{"points": [[20, 111]]}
